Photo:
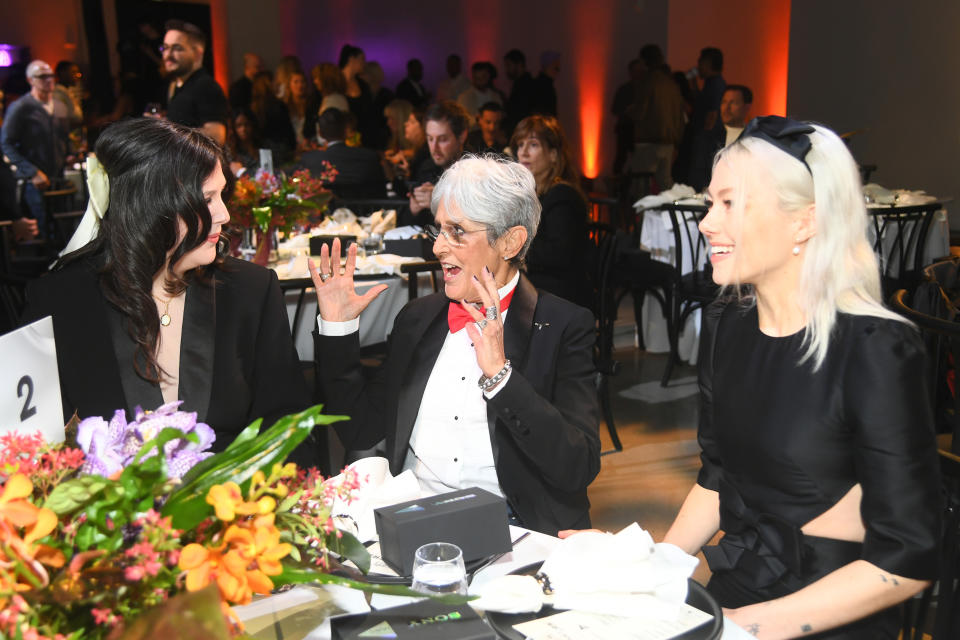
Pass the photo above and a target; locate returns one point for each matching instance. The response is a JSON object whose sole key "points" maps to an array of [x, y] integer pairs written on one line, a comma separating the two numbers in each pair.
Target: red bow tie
{"points": [[457, 316]]}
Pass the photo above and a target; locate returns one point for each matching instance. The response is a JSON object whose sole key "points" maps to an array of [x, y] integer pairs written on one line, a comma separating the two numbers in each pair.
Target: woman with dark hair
{"points": [[276, 132], [296, 97], [352, 63], [556, 261], [243, 142], [149, 311]]}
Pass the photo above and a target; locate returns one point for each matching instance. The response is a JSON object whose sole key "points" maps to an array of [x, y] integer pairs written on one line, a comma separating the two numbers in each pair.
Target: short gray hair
{"points": [[493, 191]]}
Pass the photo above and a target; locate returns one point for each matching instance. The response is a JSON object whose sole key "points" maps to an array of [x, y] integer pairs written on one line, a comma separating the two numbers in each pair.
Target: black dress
{"points": [[783, 443]]}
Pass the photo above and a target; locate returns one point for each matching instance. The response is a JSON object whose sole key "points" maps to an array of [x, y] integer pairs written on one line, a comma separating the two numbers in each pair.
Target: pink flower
{"points": [[103, 616], [134, 573]]}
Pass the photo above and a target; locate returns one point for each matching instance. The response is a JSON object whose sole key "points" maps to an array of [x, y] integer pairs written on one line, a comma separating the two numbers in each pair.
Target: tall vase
{"points": [[264, 246]]}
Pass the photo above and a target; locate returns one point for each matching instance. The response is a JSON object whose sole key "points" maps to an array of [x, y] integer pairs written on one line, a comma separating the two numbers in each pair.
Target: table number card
{"points": [[30, 383]]}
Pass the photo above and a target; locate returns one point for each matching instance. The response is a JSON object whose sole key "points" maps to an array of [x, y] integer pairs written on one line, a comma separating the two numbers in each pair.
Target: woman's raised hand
{"points": [[488, 341], [337, 298]]}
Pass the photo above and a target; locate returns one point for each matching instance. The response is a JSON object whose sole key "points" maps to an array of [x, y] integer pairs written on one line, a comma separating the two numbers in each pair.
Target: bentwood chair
{"points": [[692, 280], [900, 240], [413, 270]]}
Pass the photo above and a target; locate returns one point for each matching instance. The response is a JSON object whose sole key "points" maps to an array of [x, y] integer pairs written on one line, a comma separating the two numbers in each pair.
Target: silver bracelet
{"points": [[486, 384]]}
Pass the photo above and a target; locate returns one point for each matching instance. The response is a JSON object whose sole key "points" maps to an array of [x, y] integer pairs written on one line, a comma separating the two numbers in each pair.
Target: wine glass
{"points": [[438, 569]]}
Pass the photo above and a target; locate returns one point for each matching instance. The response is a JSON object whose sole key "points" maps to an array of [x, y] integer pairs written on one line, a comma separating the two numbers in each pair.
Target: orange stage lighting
{"points": [[221, 50], [591, 24], [481, 26]]}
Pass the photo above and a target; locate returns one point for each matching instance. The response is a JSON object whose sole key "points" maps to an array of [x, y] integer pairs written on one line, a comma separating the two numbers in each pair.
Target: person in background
{"points": [[657, 114], [544, 91], [241, 91], [396, 114], [276, 132], [24, 228], [557, 260], [68, 100], [455, 83], [382, 96], [481, 91], [819, 461], [527, 430], [243, 143], [297, 100], [623, 97], [411, 88], [446, 128], [154, 308], [415, 156], [489, 137], [359, 173], [735, 111], [520, 103], [35, 141], [330, 85], [705, 133], [281, 78], [194, 98], [352, 63]]}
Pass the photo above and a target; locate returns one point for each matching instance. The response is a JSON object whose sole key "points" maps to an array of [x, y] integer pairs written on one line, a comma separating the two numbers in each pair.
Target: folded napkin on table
{"points": [[402, 233], [380, 221], [383, 263], [625, 574], [378, 488], [674, 193], [875, 194]]}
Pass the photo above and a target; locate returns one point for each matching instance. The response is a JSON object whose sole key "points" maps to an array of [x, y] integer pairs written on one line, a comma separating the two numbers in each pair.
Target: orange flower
{"points": [[249, 553], [18, 513]]}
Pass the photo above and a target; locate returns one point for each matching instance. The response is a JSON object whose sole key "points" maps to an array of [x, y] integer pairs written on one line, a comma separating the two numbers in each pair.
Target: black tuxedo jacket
{"points": [[237, 359], [543, 422], [359, 173]]}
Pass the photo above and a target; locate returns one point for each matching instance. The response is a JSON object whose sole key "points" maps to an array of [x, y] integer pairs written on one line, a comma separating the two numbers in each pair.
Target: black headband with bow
{"points": [[790, 136]]}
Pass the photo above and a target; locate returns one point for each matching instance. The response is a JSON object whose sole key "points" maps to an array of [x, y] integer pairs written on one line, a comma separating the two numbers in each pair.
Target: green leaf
{"points": [[190, 616], [71, 495], [187, 504], [166, 435], [249, 433], [348, 547], [293, 575]]}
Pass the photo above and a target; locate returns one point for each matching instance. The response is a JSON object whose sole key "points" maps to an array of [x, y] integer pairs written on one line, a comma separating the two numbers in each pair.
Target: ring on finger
{"points": [[491, 313], [481, 324], [324, 277]]}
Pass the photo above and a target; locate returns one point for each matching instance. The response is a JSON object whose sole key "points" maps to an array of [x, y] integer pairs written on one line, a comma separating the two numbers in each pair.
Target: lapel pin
{"points": [[541, 325]]}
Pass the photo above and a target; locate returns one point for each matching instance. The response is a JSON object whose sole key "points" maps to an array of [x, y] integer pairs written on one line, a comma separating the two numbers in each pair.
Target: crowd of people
{"points": [[818, 460]]}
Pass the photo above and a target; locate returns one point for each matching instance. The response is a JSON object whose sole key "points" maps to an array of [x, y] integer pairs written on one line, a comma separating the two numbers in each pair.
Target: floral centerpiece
{"points": [[273, 201], [133, 527]]}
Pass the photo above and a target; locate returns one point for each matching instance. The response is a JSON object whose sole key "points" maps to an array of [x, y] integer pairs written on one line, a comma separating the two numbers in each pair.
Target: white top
{"points": [[450, 436], [732, 134]]}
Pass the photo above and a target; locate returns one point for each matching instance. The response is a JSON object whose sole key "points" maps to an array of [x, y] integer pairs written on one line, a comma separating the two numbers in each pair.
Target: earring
{"points": [[796, 247]]}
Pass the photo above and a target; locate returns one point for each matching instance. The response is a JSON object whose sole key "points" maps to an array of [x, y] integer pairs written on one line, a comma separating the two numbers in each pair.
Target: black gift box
{"points": [[411, 247], [318, 241], [473, 519], [425, 620]]}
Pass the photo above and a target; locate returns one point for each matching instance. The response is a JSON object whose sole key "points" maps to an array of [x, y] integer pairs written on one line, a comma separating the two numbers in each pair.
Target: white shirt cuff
{"points": [[345, 328], [500, 385]]}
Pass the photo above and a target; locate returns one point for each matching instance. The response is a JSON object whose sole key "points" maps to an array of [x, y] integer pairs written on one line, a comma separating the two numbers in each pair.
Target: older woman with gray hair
{"points": [[487, 384]]}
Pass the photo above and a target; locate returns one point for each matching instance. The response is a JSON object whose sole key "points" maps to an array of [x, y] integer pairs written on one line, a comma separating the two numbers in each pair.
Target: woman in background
{"points": [[557, 261], [243, 142], [296, 98]]}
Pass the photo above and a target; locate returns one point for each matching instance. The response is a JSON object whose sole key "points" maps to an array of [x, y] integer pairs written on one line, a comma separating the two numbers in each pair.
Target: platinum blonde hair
{"points": [[840, 272], [493, 191]]}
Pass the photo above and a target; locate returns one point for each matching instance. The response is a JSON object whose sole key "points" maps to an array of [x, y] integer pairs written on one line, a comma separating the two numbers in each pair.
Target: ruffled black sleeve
{"points": [[887, 406]]}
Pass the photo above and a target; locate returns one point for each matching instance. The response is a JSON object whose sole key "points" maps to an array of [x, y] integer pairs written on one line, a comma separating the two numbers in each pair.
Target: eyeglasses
{"points": [[454, 235], [175, 48], [44, 76]]}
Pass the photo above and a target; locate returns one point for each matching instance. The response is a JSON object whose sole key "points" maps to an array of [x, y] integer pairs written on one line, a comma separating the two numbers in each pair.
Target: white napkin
{"points": [[877, 195], [387, 221], [378, 488], [624, 574], [402, 233], [383, 263], [676, 192]]}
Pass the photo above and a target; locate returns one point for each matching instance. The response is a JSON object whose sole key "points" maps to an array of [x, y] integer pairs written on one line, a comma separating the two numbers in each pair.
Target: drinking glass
{"points": [[373, 244], [438, 569]]}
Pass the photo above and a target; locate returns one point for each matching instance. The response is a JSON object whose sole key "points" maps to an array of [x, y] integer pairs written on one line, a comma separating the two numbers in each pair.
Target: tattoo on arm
{"points": [[753, 629], [806, 628], [892, 579]]}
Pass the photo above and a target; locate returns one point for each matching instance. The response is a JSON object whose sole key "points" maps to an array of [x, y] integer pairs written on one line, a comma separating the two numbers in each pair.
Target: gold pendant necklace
{"points": [[165, 316]]}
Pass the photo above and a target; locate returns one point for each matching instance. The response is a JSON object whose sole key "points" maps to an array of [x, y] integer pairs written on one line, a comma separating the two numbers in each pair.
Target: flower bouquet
{"points": [[270, 202], [139, 528]]}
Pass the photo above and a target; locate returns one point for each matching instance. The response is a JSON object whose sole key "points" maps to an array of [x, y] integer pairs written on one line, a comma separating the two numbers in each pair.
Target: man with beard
{"points": [[446, 125], [194, 98]]}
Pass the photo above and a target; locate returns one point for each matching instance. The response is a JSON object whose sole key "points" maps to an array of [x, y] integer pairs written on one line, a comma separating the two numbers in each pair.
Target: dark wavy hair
{"points": [[548, 131], [157, 169]]}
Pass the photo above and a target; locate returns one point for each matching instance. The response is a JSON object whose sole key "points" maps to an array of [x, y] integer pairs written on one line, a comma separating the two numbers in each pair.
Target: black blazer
{"points": [[359, 173], [543, 423], [237, 359]]}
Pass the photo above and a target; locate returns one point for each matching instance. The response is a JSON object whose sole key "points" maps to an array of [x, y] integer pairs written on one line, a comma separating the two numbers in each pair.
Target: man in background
{"points": [[194, 99], [705, 131], [446, 125], [489, 136], [735, 111], [520, 103], [35, 141], [410, 88], [359, 173], [455, 83], [544, 93], [482, 90], [241, 91]]}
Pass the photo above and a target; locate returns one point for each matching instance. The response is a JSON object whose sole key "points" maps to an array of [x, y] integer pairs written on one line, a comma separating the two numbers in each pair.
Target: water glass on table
{"points": [[373, 244], [438, 569]]}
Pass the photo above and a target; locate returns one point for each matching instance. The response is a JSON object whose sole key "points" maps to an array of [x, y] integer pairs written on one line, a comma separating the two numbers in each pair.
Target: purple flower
{"points": [[111, 446]]}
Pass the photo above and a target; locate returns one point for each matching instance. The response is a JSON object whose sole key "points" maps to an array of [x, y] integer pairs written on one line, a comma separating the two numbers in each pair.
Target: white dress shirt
{"points": [[451, 436]]}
